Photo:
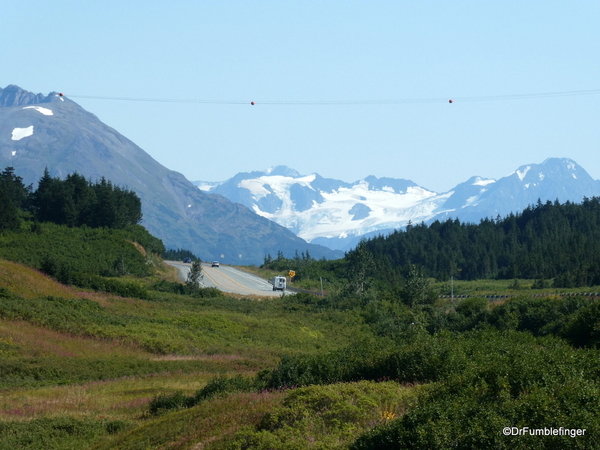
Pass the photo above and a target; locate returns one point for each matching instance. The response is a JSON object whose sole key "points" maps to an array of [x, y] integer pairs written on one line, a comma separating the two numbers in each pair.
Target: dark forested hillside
{"points": [[74, 229], [76, 201], [73, 201], [551, 240]]}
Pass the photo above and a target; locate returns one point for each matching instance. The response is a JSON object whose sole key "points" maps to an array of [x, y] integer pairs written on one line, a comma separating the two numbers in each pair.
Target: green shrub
{"points": [[110, 285], [59, 250], [540, 316], [163, 403], [60, 370], [215, 386], [583, 328], [326, 417], [506, 380], [60, 433], [169, 286], [424, 360]]}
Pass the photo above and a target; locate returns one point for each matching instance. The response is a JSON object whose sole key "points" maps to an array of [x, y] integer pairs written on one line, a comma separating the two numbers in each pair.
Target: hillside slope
{"points": [[38, 131]]}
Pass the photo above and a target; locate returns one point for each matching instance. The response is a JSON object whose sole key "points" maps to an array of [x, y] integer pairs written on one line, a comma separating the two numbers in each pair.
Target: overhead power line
{"points": [[487, 98]]}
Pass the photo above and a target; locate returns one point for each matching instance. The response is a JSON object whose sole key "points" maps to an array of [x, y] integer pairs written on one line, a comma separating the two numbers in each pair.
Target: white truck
{"points": [[278, 283]]}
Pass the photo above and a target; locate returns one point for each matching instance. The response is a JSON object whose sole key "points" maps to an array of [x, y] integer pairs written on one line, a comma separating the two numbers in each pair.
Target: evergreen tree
{"points": [[50, 202], [9, 213], [75, 202], [195, 276], [360, 266], [13, 197], [13, 188], [416, 287], [545, 241]]}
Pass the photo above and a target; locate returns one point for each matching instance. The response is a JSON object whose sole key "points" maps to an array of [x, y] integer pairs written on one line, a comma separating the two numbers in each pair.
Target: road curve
{"points": [[229, 279]]}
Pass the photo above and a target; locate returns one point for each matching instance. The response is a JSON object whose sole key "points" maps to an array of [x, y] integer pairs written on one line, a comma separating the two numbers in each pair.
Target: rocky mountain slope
{"points": [[337, 214], [38, 131]]}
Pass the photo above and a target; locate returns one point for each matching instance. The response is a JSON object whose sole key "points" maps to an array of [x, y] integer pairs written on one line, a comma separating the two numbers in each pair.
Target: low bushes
{"points": [[326, 417], [57, 433], [60, 250], [481, 381], [49, 371], [216, 386]]}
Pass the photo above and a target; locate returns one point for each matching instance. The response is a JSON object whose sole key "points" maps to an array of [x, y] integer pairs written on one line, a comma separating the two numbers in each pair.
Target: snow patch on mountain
{"points": [[483, 182], [334, 210], [336, 213], [44, 111], [20, 133], [279, 184], [256, 188], [521, 174], [208, 185]]}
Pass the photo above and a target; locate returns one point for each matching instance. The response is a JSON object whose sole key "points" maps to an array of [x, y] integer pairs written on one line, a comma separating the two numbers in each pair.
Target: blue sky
{"points": [[366, 55]]}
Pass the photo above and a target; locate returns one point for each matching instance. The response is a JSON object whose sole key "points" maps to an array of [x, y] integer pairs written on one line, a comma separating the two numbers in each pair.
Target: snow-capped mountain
{"points": [[555, 178], [337, 214], [51, 131]]}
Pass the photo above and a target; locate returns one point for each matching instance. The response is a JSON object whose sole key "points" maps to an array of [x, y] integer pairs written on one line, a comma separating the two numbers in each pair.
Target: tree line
{"points": [[545, 241], [73, 201]]}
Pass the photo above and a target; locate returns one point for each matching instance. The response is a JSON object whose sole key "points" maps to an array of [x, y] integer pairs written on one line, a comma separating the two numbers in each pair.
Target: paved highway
{"points": [[229, 279]]}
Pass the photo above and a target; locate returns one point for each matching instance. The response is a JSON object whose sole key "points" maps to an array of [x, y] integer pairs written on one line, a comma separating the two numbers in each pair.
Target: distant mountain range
{"points": [[338, 214], [39, 131]]}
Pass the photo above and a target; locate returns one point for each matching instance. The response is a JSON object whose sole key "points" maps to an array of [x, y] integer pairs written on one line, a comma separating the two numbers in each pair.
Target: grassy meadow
{"points": [[82, 366], [137, 360], [101, 347]]}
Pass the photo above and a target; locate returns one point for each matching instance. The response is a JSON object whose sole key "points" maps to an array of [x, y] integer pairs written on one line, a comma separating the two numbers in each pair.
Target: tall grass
{"points": [[29, 283], [186, 325], [124, 398], [61, 433], [201, 427]]}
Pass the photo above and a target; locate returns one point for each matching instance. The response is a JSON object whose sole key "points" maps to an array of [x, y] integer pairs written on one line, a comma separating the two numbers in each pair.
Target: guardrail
{"points": [[553, 294]]}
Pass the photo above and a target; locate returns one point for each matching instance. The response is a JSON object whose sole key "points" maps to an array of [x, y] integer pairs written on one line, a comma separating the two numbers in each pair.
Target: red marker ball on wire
{"points": [[252, 103], [450, 101]]}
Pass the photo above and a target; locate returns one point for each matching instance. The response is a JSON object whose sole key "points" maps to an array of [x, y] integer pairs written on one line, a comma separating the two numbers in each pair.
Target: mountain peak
{"points": [[337, 214], [39, 132], [564, 168], [13, 95], [282, 171], [567, 163]]}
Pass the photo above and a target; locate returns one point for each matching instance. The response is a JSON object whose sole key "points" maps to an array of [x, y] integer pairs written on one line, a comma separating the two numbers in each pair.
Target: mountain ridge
{"points": [[338, 214], [39, 131]]}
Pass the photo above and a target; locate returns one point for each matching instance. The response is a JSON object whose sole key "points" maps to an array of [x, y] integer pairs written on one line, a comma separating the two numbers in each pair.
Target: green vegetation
{"points": [[13, 196], [179, 255], [326, 417], [310, 273], [545, 241], [79, 339], [62, 433], [168, 324], [75, 202], [415, 344], [194, 276], [60, 250], [216, 386]]}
